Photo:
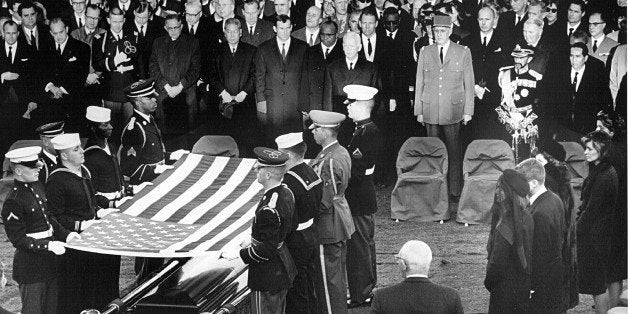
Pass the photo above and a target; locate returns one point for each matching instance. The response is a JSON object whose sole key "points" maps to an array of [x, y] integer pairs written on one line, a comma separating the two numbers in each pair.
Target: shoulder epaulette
{"points": [[273, 200], [538, 76], [506, 68], [131, 124]]}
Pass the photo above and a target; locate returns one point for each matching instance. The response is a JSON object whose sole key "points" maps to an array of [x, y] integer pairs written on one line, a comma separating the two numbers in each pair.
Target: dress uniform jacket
{"points": [[30, 227], [270, 265], [49, 166], [103, 53], [524, 84], [107, 176], [307, 189], [141, 150], [365, 148], [333, 166], [444, 91]]}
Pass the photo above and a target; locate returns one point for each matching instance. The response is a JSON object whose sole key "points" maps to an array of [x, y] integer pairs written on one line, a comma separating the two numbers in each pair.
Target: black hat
{"points": [[551, 148], [268, 157], [51, 129], [517, 182], [141, 88]]}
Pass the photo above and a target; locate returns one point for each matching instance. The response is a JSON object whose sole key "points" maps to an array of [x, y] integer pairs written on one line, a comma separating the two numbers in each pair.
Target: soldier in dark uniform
{"points": [[142, 152], [307, 188], [48, 156], [365, 148], [35, 235], [271, 269], [72, 201]]}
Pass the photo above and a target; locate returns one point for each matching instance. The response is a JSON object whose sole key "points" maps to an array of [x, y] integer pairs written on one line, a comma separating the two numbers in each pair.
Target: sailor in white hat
{"points": [[307, 188], [33, 232]]}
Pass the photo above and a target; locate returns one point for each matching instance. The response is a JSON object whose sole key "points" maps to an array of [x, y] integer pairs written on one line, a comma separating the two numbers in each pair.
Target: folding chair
{"points": [[216, 145], [421, 189], [578, 167], [484, 161]]}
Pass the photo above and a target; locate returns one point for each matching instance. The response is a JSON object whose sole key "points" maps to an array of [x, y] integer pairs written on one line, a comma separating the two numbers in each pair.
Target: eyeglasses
{"points": [[193, 14], [552, 10], [364, 1], [78, 3]]}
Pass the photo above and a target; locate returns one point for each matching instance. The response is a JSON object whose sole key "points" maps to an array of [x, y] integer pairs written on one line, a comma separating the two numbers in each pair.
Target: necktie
{"points": [[283, 51], [30, 37], [233, 51], [192, 30], [575, 83], [251, 30], [570, 31], [594, 45], [326, 53], [441, 54], [518, 20], [380, 15], [11, 54], [390, 35], [311, 42], [350, 66], [58, 48], [142, 31], [484, 41], [370, 47], [80, 22]]}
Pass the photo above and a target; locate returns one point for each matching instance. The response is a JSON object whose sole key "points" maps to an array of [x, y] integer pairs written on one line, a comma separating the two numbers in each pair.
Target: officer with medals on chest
{"points": [[365, 147], [271, 268], [48, 156], [334, 225], [36, 235], [520, 78], [307, 189]]}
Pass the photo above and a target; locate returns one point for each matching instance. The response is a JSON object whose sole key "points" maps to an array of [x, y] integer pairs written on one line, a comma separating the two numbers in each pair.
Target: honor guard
{"points": [[365, 148], [35, 234], [271, 268], [48, 156], [307, 189], [519, 79], [334, 225]]}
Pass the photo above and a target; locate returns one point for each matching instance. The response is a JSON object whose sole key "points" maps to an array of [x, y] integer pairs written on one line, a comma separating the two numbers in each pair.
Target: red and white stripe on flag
{"points": [[200, 207]]}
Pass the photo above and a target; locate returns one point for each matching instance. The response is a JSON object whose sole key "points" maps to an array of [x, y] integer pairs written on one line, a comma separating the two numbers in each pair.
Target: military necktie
{"points": [[441, 54], [11, 54]]}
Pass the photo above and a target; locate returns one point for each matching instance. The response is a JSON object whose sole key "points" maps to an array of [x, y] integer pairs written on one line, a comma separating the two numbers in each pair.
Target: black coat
{"points": [[402, 71], [417, 295], [599, 197], [314, 75], [506, 27], [263, 31], [23, 64], [153, 29], [337, 76], [174, 62], [233, 73]]}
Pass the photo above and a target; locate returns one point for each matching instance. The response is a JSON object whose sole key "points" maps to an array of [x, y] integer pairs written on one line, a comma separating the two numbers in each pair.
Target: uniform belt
{"points": [[256, 243], [305, 225], [161, 162], [369, 171], [40, 235], [112, 196]]}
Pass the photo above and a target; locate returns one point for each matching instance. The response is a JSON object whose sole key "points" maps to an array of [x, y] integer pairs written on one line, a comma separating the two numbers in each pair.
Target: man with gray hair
{"points": [[416, 294], [544, 45], [549, 233]]}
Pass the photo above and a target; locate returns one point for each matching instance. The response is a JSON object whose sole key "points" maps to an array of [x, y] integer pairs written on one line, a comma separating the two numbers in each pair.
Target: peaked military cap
{"points": [[268, 157], [325, 119]]}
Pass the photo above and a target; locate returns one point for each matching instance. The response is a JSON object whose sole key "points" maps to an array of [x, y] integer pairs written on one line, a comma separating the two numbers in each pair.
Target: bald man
{"points": [[309, 33], [416, 294]]}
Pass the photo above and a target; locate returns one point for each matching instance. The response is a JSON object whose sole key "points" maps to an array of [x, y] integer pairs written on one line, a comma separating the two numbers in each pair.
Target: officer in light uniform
{"points": [[365, 148], [307, 189], [520, 78], [334, 224], [271, 268], [48, 156], [35, 234]]}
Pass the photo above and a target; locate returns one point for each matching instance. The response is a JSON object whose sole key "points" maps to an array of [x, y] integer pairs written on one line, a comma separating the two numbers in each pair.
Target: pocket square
{"points": [[498, 49], [23, 60], [72, 59]]}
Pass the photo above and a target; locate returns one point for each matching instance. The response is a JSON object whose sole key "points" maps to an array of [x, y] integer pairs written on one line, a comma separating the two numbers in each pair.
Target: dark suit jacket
{"points": [[506, 27], [298, 12], [402, 71], [207, 40], [300, 34], [182, 66], [70, 20], [233, 73], [43, 42], [69, 69], [382, 44], [23, 63], [278, 83], [545, 51], [216, 31], [263, 31], [337, 76], [128, 14], [417, 295], [153, 29], [314, 75]]}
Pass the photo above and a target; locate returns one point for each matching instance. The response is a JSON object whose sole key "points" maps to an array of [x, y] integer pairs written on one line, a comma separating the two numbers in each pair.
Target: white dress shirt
{"points": [[573, 73], [13, 49], [365, 44]]}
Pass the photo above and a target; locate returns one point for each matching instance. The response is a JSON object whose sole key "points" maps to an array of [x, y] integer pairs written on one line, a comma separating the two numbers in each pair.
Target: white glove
{"points": [[88, 223], [92, 78], [226, 97], [103, 212], [393, 105], [161, 168], [9, 76], [56, 247], [72, 236], [479, 91], [245, 243], [240, 96], [230, 254], [124, 68], [140, 187], [176, 155], [122, 201], [120, 57]]}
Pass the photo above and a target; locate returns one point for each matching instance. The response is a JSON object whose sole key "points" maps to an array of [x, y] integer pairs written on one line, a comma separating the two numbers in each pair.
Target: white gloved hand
{"points": [[56, 247], [122, 201], [120, 57], [88, 223], [479, 91], [226, 97], [138, 188], [230, 254], [103, 212], [245, 243], [392, 105], [161, 168], [240, 96], [176, 155], [72, 236]]}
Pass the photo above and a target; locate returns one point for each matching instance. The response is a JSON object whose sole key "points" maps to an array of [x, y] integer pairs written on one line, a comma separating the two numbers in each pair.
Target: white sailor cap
{"points": [[24, 154], [98, 114], [67, 140], [359, 92], [289, 140]]}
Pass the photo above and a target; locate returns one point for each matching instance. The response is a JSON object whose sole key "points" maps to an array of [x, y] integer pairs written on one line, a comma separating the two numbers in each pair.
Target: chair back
{"points": [[216, 145], [422, 155]]}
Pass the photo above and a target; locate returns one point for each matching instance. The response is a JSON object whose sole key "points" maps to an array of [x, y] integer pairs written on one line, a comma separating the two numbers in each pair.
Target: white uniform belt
{"points": [[40, 235], [112, 196], [256, 243], [305, 225], [369, 171]]}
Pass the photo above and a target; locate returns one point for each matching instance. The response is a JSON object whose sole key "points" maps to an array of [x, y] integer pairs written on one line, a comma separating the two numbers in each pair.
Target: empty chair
{"points": [[421, 188], [484, 161], [216, 145], [578, 167]]}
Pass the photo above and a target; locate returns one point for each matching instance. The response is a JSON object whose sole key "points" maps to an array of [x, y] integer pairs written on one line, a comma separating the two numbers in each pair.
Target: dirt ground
{"points": [[459, 259]]}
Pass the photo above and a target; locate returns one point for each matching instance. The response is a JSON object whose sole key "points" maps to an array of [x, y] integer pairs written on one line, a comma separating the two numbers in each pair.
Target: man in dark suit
{"points": [[510, 24], [416, 294], [255, 31], [488, 52], [16, 95], [199, 26], [309, 33], [147, 27], [127, 7], [545, 48], [175, 66], [67, 70], [232, 77], [36, 34], [278, 67], [549, 231], [75, 17], [351, 69], [375, 47], [225, 9]]}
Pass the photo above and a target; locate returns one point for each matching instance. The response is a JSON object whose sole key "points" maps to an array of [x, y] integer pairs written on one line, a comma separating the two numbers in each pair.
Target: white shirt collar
{"points": [[118, 35], [314, 37], [143, 115], [280, 43], [248, 26], [63, 44], [394, 34], [445, 48], [538, 193], [6, 47], [76, 17], [354, 61], [365, 41], [193, 26], [599, 40], [580, 72], [139, 27], [324, 48], [574, 27], [233, 47], [488, 37], [416, 276], [124, 6], [330, 144]]}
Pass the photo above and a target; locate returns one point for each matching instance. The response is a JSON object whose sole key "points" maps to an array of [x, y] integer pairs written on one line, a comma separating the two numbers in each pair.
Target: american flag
{"points": [[200, 207]]}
